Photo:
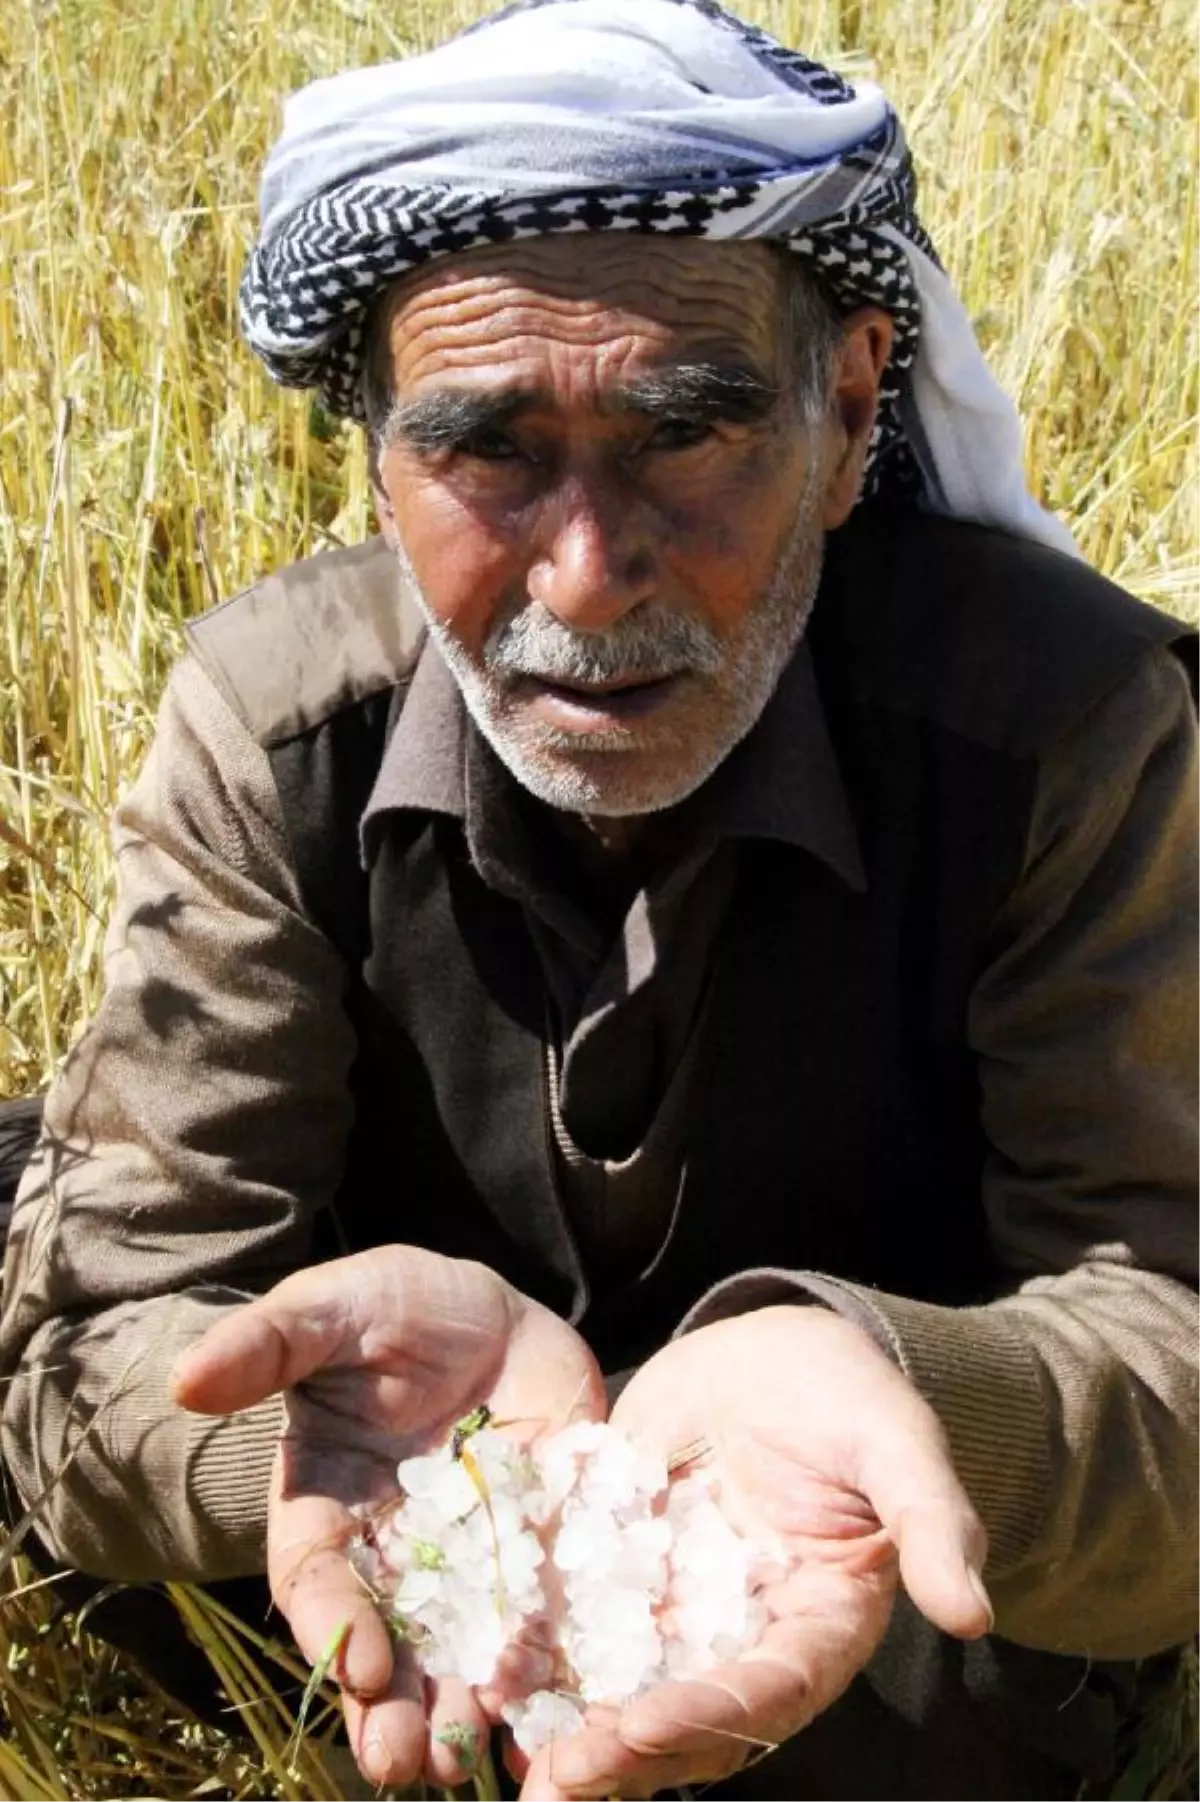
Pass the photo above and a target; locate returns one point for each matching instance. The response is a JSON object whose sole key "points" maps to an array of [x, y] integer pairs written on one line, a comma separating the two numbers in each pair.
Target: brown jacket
{"points": [[1069, 1400]]}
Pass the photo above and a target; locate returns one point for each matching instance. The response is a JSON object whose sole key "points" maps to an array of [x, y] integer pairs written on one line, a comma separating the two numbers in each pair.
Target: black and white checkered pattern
{"points": [[308, 286]]}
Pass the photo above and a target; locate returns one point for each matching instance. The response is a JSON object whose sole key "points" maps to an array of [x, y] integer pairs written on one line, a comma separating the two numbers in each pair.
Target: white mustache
{"points": [[645, 646]]}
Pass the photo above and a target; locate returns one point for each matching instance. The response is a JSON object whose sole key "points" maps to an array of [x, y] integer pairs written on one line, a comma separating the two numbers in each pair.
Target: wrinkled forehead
{"points": [[575, 296]]}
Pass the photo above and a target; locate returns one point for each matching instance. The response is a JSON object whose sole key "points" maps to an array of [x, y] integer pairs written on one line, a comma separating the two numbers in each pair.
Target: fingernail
{"points": [[981, 1595], [373, 1758]]}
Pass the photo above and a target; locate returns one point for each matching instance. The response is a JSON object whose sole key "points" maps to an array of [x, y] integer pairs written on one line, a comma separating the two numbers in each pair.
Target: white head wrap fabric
{"points": [[628, 115]]}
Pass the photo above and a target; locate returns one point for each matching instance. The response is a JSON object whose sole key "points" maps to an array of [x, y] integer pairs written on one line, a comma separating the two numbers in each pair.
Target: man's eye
{"points": [[488, 445], [679, 434]]}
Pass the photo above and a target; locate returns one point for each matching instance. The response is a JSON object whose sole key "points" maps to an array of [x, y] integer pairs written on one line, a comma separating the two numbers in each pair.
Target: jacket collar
{"points": [[782, 782]]}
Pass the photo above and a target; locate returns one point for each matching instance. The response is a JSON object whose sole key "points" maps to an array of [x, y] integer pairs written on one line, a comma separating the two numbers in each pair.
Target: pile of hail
{"points": [[585, 1546]]}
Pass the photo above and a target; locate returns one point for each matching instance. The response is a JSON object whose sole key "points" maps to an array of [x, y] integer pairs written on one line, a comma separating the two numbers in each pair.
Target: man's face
{"points": [[602, 485]]}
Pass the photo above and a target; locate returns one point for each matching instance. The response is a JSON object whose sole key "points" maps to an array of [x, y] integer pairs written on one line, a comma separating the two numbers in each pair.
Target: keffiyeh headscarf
{"points": [[628, 115]]}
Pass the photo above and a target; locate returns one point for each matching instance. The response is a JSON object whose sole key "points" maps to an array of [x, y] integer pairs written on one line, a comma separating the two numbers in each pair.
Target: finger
{"points": [[270, 1344], [519, 1765], [939, 1537], [942, 1554], [323, 1600], [683, 1738], [389, 1734], [458, 1732], [396, 1302], [712, 1723], [540, 1787], [598, 1762]]}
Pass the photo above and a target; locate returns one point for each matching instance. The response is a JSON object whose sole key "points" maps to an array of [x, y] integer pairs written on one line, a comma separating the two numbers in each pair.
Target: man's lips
{"points": [[589, 707]]}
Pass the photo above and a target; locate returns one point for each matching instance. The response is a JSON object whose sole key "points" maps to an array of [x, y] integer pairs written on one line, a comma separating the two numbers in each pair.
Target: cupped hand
{"points": [[813, 1434], [377, 1356]]}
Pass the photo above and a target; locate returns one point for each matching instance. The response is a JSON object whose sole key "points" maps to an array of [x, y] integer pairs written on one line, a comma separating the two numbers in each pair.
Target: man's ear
{"points": [[385, 513], [862, 357]]}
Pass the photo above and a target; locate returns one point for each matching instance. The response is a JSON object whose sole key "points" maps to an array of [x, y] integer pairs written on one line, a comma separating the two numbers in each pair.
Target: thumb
{"points": [[942, 1551], [254, 1351], [940, 1540]]}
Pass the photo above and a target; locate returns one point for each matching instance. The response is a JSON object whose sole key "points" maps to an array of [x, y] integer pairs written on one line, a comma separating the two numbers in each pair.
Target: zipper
{"points": [[557, 1137]]}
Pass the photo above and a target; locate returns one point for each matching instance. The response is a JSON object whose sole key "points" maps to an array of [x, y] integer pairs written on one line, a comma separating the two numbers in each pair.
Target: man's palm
{"points": [[378, 1356], [814, 1436]]}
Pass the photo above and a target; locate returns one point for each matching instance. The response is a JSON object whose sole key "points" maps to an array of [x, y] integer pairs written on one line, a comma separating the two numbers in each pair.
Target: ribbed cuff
{"points": [[229, 1474], [769, 1288], [972, 1365], [978, 1373]]}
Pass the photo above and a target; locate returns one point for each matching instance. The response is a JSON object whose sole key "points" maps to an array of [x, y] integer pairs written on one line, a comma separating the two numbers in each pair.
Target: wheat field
{"points": [[148, 468]]}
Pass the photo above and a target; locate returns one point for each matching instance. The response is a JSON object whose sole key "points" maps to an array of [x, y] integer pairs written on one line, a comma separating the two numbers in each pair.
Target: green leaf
{"points": [[317, 1676]]}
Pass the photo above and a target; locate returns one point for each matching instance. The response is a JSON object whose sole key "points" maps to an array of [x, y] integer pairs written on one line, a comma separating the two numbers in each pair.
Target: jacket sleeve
{"points": [[1070, 1399], [188, 1141]]}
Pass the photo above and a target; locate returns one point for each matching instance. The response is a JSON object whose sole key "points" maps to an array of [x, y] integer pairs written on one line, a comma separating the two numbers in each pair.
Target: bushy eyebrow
{"points": [[441, 420], [701, 392]]}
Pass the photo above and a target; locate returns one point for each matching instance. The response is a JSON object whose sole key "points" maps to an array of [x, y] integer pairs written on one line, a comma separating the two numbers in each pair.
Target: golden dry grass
{"points": [[147, 466]]}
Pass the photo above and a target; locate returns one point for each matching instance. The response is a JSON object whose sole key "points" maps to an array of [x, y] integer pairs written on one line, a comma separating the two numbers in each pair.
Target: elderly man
{"points": [[704, 900]]}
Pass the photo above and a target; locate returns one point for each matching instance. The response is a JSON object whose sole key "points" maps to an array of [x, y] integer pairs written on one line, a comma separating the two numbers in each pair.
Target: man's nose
{"points": [[596, 558]]}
